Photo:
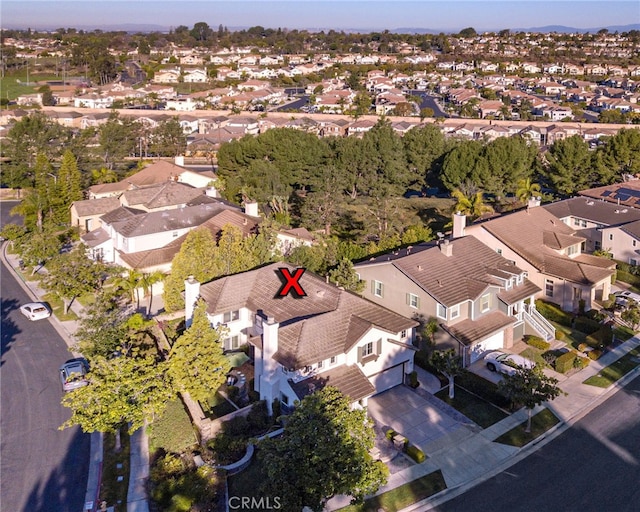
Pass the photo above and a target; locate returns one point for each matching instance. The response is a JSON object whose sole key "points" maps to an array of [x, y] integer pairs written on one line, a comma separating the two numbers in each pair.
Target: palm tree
{"points": [[471, 205], [526, 190], [130, 283], [147, 281]]}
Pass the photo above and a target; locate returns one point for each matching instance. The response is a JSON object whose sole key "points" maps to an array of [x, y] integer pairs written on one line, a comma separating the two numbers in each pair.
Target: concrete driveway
{"points": [[420, 420]]}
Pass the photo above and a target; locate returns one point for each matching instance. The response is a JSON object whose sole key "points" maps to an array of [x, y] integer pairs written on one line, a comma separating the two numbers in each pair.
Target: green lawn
{"points": [[540, 423], [623, 333], [403, 496], [57, 306], [218, 406], [572, 337], [473, 407], [615, 371], [173, 430]]}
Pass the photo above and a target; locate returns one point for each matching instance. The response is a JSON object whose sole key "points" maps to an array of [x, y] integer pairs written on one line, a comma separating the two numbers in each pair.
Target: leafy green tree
{"points": [[13, 233], [621, 152], [508, 160], [201, 32], [362, 104], [449, 364], [102, 328], [416, 234], [68, 186], [38, 247], [323, 451], [128, 389], [196, 258], [130, 283], [344, 275], [569, 165], [423, 147], [168, 139], [464, 162], [631, 315], [118, 139], [231, 254], [320, 206], [47, 96], [529, 387], [72, 274], [197, 364]]}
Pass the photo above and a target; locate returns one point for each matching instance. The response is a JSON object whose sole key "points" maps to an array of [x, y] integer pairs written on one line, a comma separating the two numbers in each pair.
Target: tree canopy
{"points": [[323, 451]]}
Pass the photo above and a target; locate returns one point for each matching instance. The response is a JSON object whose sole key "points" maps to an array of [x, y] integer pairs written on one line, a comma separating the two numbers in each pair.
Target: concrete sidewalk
{"points": [[466, 459], [137, 500]]}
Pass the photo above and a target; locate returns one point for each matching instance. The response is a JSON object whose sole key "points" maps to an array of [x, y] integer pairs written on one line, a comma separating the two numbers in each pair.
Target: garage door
{"points": [[388, 379], [494, 342]]}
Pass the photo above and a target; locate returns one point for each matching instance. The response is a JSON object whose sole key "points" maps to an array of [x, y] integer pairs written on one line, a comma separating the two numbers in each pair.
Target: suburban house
{"points": [[604, 225], [549, 251], [481, 300], [622, 194], [300, 344]]}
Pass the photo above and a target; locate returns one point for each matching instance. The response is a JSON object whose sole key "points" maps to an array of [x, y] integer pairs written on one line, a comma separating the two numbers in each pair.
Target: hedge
{"points": [[603, 336], [537, 342], [564, 363], [594, 354], [554, 312], [415, 453], [587, 325]]}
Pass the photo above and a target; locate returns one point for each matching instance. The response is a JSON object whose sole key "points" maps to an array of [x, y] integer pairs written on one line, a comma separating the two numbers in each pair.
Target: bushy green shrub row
{"points": [[594, 354], [586, 325], [602, 337], [564, 363], [537, 342], [554, 313], [415, 453]]}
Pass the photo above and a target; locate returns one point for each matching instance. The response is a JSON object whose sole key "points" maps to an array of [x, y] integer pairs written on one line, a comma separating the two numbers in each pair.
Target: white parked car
{"points": [[35, 310], [623, 298], [506, 363]]}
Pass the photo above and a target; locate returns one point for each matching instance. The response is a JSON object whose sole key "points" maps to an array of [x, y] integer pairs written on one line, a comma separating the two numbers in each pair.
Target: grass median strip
{"points": [[540, 423], [403, 496], [616, 370]]}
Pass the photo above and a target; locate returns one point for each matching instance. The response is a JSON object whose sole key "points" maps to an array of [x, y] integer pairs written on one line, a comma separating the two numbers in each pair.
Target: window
{"points": [[232, 342], [284, 399], [548, 287], [597, 245], [175, 234], [230, 316], [572, 249], [610, 236], [333, 360], [403, 334], [633, 261], [485, 302], [441, 311], [413, 300], [454, 311], [367, 349], [576, 222], [377, 288], [499, 251], [633, 242], [320, 364]]}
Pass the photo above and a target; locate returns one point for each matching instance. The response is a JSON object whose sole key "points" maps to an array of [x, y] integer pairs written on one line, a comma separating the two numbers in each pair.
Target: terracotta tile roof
{"points": [[348, 379], [166, 220], [623, 194], [120, 214], [517, 293], [328, 321], [450, 280], [95, 237], [536, 235], [470, 331]]}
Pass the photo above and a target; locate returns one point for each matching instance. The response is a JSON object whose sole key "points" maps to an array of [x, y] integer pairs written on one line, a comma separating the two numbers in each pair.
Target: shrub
{"points": [[602, 337], [554, 313], [559, 335], [276, 407], [587, 325], [596, 315], [594, 354], [237, 426], [550, 357], [583, 347], [580, 362], [258, 418], [233, 392], [564, 363], [415, 453], [537, 342], [389, 434], [413, 379]]}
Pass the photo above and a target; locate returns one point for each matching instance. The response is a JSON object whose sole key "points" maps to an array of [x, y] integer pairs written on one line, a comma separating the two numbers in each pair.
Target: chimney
{"points": [[459, 223], [446, 248], [179, 160], [268, 367], [533, 202], [251, 208], [212, 192], [191, 294]]}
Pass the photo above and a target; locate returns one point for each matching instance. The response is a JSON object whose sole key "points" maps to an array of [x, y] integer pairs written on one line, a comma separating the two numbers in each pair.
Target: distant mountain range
{"points": [[146, 28]]}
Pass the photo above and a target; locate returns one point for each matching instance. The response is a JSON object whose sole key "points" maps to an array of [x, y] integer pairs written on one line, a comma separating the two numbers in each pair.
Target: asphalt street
{"points": [[594, 466], [42, 469]]}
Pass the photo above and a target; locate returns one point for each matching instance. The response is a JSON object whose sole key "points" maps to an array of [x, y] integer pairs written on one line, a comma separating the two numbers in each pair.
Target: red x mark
{"points": [[291, 283]]}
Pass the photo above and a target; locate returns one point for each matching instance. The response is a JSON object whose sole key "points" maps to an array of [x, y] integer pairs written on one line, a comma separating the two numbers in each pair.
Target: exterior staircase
{"points": [[539, 323]]}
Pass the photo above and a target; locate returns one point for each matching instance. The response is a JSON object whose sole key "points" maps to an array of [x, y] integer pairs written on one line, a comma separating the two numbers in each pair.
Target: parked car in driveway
{"points": [[623, 298], [35, 310], [73, 374], [506, 363]]}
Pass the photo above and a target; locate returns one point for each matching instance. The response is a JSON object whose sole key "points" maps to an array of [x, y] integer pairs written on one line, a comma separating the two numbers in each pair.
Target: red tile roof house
{"points": [[329, 337], [476, 295], [549, 251]]}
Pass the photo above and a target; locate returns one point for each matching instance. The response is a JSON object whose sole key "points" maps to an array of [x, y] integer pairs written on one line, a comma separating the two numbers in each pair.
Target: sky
{"points": [[445, 15]]}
